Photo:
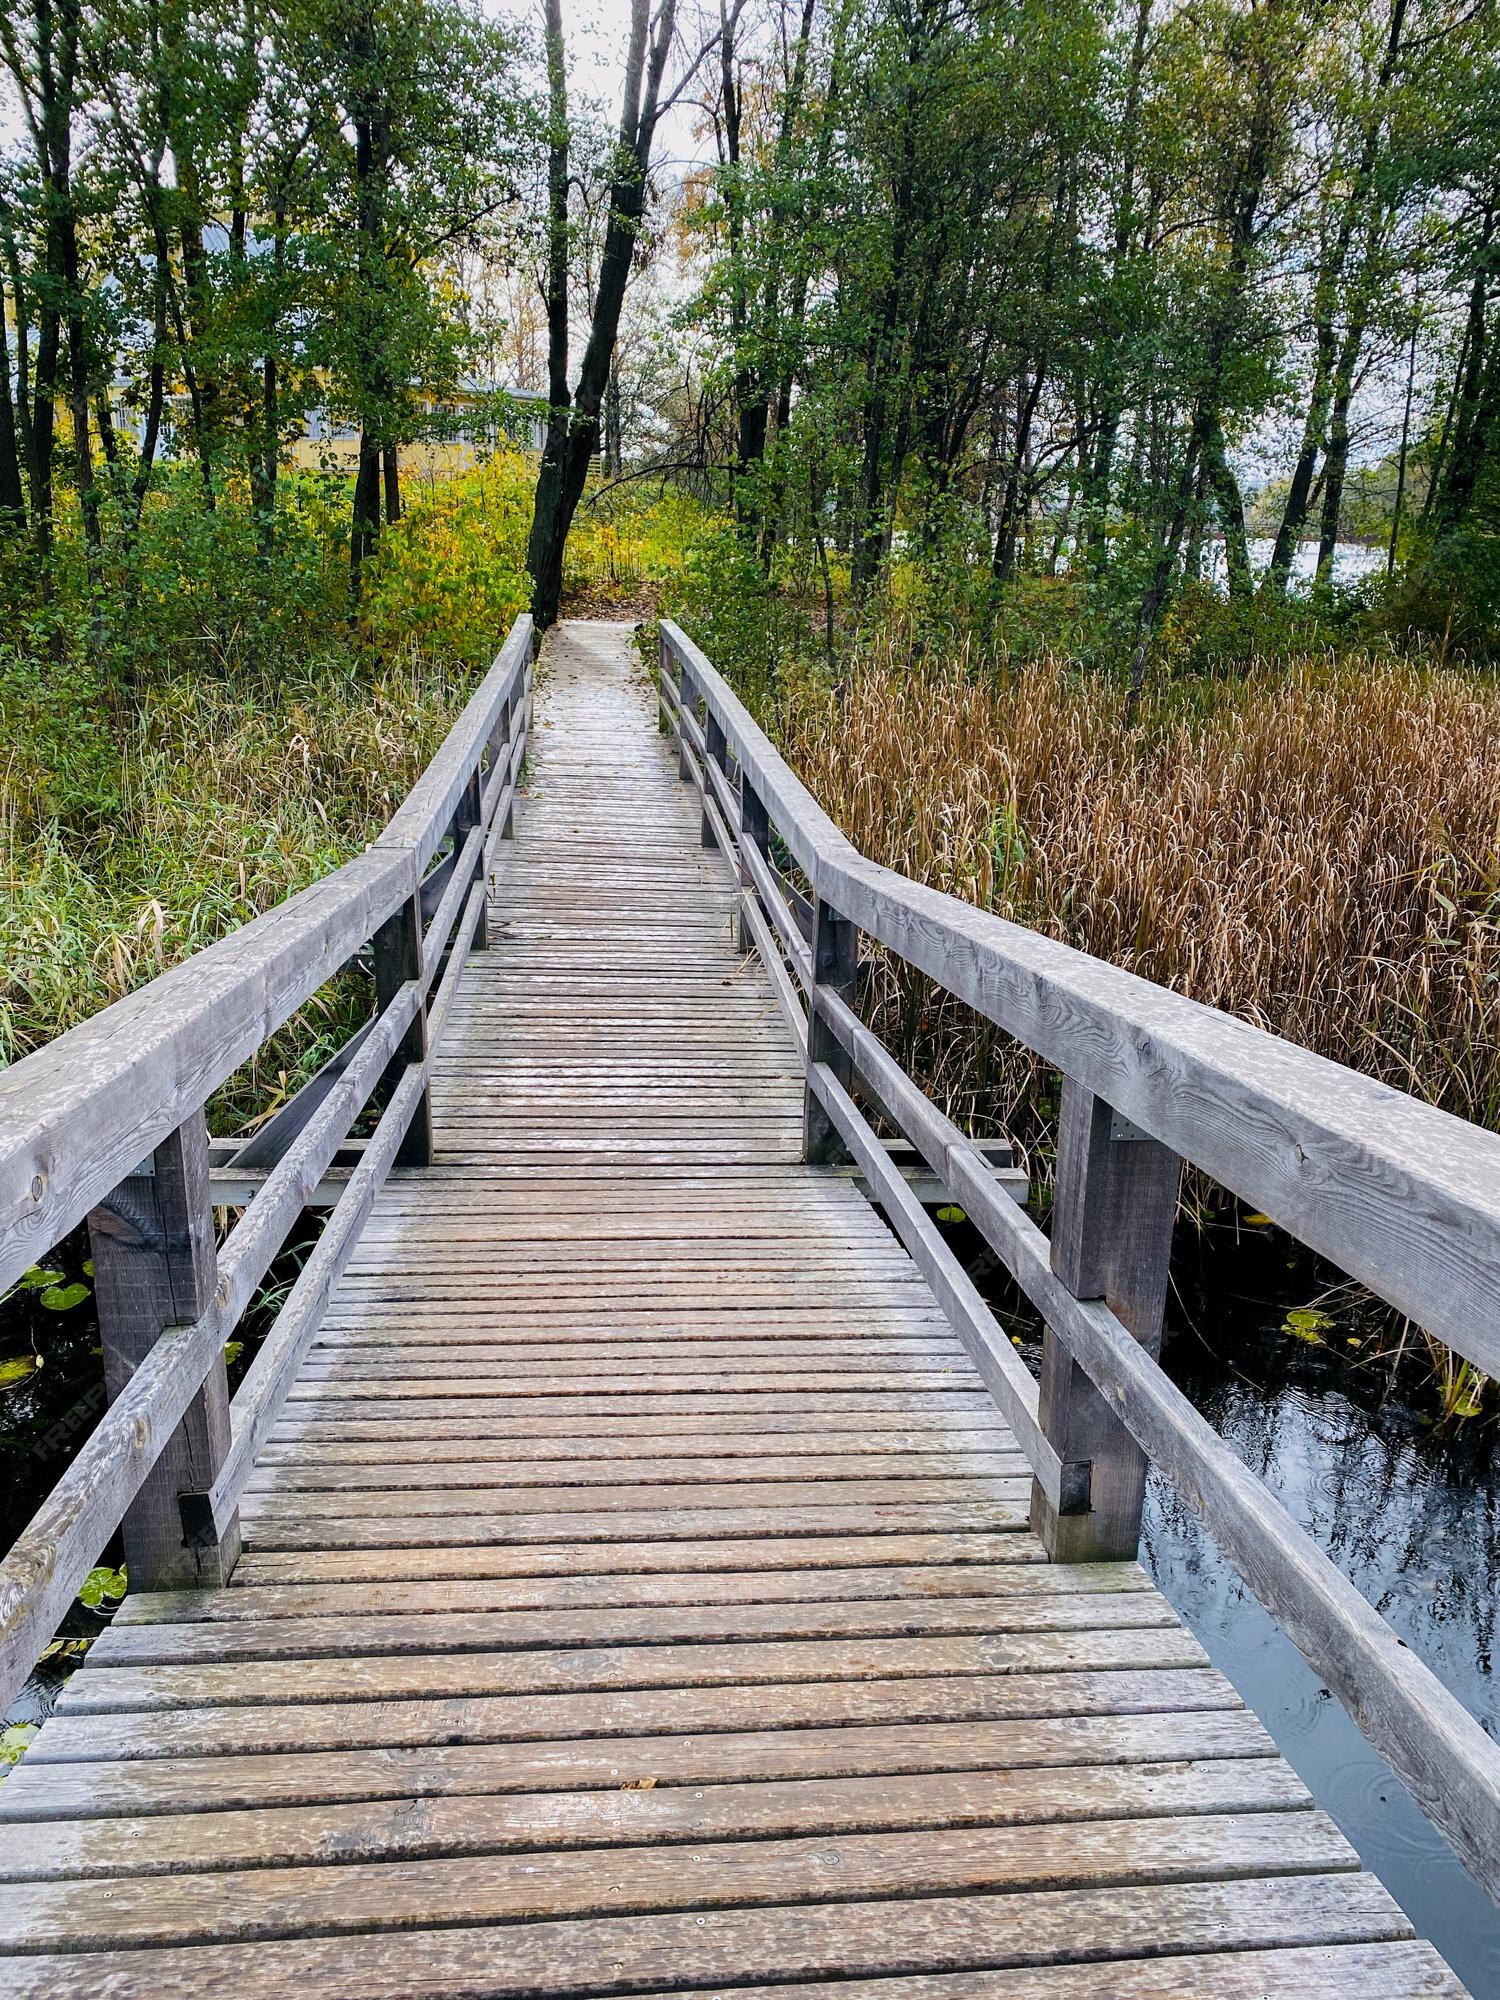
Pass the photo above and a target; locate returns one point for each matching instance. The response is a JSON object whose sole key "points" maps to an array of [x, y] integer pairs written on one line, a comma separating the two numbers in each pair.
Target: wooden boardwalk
{"points": [[637, 1592]]}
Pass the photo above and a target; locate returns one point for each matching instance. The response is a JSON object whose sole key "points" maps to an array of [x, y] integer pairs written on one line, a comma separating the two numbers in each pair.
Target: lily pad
{"points": [[1307, 1323], [951, 1214], [100, 1584], [14, 1740], [63, 1298], [19, 1370]]}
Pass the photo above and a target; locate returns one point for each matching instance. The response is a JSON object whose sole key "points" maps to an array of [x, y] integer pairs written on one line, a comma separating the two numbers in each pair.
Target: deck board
{"points": [[638, 1594]]}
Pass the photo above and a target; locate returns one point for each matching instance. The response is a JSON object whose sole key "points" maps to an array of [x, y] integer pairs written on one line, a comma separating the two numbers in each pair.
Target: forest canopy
{"points": [[997, 289]]}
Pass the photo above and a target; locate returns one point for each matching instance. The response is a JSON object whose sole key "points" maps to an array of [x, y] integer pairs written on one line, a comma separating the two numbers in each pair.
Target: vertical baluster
{"points": [[398, 957], [1112, 1217], [155, 1266], [755, 831], [515, 718], [499, 758], [687, 704], [835, 963], [469, 815], [718, 750]]}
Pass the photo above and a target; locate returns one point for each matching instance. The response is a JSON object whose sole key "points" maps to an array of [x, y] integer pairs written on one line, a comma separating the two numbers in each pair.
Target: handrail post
{"points": [[717, 747], [755, 831], [155, 1266], [687, 704], [835, 964], [398, 957], [469, 815], [499, 749], [1112, 1216]]}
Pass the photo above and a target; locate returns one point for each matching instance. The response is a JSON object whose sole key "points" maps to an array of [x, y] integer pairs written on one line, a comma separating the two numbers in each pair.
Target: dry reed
{"points": [[1314, 849]]}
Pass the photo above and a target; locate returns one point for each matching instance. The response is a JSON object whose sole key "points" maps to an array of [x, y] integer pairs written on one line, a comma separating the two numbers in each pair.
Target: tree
{"points": [[574, 419]]}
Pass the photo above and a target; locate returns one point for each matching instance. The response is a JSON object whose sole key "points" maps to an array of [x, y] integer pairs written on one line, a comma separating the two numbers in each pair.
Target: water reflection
{"points": [[1414, 1521]]}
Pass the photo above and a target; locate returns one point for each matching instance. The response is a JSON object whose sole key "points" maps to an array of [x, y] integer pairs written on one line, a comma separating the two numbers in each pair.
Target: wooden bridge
{"points": [[635, 1563]]}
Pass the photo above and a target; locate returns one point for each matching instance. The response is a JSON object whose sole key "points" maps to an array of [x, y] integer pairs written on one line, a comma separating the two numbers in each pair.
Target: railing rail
{"points": [[1401, 1196], [108, 1122]]}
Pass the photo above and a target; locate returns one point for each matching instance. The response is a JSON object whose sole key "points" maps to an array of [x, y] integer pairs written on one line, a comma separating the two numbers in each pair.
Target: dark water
{"points": [[1415, 1522], [1409, 1509]]}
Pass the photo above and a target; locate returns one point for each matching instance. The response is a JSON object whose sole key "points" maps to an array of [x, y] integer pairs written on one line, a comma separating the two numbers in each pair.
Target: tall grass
{"points": [[133, 834], [1315, 848]]}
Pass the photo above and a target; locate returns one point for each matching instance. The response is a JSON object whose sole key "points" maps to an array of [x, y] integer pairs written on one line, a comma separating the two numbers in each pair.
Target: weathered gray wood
{"points": [[1112, 1215], [715, 752], [270, 1375], [687, 701], [755, 836], [1400, 1195], [835, 966], [155, 1267], [399, 958], [470, 819], [467, 874], [813, 1939], [1449, 1764], [269, 1141]]}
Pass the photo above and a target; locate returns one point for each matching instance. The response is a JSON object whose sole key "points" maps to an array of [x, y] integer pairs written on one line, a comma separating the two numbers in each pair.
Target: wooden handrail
{"points": [[78, 1115], [78, 1118], [1402, 1196]]}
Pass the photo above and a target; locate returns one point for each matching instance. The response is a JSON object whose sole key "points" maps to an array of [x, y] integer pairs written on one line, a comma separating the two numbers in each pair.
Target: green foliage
{"points": [[101, 1586], [237, 738]]}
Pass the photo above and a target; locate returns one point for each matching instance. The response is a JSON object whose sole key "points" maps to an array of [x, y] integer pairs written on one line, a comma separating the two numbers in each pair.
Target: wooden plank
{"points": [[356, 1900], [631, 1815], [580, 1591], [330, 1636], [224, 1731], [1331, 1972], [65, 1792], [803, 1550], [732, 1523], [380, 1474], [432, 1675], [810, 1940]]}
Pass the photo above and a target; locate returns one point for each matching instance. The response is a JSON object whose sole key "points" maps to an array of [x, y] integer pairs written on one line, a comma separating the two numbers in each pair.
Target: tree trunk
{"points": [[1230, 505], [560, 486], [364, 530], [12, 493]]}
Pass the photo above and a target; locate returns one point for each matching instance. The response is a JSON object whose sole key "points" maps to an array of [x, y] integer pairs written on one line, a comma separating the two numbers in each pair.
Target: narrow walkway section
{"points": [[637, 1593]]}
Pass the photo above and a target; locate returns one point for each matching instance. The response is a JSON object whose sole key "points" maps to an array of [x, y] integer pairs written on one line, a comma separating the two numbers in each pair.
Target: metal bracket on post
{"points": [[398, 957], [1112, 1218], [155, 1266], [835, 964]]}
